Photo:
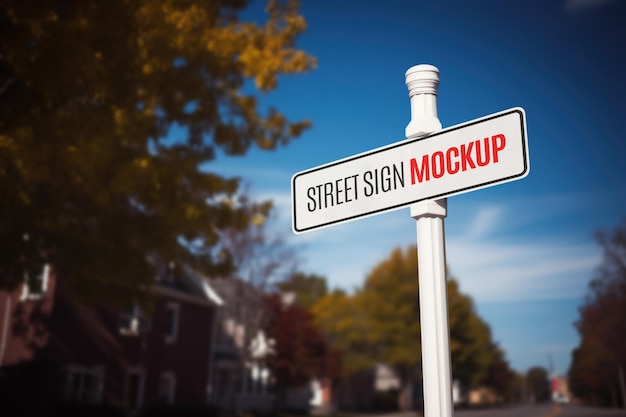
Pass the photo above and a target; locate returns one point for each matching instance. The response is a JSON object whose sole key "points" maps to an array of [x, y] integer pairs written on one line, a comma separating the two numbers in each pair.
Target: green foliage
{"points": [[538, 384], [501, 377], [470, 339], [107, 112]]}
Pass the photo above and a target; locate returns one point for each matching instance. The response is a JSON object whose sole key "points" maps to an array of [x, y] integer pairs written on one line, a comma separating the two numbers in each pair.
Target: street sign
{"points": [[477, 154]]}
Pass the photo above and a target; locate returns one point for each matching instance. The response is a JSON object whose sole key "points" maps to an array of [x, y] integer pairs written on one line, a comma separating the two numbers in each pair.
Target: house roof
{"points": [[187, 283], [234, 289]]}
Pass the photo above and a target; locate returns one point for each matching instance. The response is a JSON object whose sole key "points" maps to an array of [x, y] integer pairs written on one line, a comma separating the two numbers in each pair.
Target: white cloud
{"points": [[491, 266], [488, 267], [485, 250], [484, 221], [496, 271]]}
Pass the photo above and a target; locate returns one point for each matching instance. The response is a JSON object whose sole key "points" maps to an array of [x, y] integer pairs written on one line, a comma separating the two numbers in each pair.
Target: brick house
{"points": [[54, 349]]}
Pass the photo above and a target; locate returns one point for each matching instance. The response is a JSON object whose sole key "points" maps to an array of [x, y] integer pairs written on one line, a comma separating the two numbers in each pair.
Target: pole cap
{"points": [[422, 79]]}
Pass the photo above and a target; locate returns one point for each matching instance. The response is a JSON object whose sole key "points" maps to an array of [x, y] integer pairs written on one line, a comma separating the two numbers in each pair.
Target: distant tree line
{"points": [[379, 323], [596, 375]]}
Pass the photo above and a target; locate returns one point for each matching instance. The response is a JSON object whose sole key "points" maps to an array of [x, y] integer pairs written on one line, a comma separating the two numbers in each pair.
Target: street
{"points": [[543, 410]]}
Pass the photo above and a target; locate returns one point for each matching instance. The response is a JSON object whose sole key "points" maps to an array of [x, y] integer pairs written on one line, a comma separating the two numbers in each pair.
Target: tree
{"points": [[381, 323], [344, 323], [500, 376], [597, 370], [260, 257], [308, 289], [470, 339], [300, 353], [390, 296], [538, 384], [109, 112]]}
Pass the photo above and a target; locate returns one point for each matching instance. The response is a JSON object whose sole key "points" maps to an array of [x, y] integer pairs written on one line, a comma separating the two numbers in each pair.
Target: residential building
{"points": [[54, 349], [241, 378]]}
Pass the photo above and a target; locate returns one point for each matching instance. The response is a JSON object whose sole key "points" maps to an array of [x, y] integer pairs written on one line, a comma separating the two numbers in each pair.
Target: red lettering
{"points": [[486, 155], [449, 160], [423, 174], [438, 167], [497, 146], [466, 158], [456, 159]]}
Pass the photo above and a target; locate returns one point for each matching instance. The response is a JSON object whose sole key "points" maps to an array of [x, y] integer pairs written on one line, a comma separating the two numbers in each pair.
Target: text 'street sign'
{"points": [[476, 154]]}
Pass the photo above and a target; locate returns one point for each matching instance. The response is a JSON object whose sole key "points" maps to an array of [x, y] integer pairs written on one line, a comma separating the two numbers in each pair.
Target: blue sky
{"points": [[524, 251]]}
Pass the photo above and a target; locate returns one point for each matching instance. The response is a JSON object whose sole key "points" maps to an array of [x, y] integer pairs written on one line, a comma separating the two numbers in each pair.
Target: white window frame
{"points": [[133, 323], [167, 387], [172, 332], [84, 394], [28, 294]]}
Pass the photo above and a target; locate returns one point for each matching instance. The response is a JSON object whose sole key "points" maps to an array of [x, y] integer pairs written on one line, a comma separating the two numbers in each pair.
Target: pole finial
{"points": [[422, 79], [422, 82]]}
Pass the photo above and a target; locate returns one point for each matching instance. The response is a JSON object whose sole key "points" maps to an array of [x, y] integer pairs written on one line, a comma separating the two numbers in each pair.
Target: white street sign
{"points": [[473, 155]]}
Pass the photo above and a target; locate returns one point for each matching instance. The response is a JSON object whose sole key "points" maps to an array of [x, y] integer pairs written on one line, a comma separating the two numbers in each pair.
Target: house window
{"points": [[132, 323], [84, 385], [35, 282], [167, 388], [135, 380], [172, 316]]}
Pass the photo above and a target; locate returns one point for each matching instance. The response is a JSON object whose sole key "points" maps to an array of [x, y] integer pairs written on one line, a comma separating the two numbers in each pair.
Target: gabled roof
{"points": [[235, 289], [200, 280], [186, 283]]}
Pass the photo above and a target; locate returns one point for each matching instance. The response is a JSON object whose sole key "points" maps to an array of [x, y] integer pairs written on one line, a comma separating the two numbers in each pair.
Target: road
{"points": [[544, 410]]}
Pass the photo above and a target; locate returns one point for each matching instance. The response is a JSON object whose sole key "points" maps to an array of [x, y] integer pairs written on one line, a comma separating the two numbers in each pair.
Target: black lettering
{"points": [[312, 198], [328, 192], [385, 179], [367, 176], [398, 175], [338, 191]]}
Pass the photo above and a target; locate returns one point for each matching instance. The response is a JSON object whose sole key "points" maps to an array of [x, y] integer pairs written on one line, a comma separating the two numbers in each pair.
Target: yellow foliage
{"points": [[91, 94], [380, 322]]}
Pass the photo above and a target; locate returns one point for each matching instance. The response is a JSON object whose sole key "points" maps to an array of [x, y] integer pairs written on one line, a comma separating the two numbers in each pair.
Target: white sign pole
{"points": [[422, 82]]}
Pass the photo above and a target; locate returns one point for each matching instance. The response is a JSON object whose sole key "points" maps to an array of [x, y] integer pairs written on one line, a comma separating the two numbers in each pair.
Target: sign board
{"points": [[472, 155]]}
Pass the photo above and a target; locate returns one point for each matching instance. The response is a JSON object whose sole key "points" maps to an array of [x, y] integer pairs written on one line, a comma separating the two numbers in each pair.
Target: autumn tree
{"points": [[307, 288], [109, 114], [598, 364], [344, 322], [390, 296], [299, 351], [470, 339], [381, 323]]}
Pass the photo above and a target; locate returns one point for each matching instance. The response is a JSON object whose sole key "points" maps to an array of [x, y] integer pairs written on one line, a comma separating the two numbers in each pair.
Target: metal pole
{"points": [[422, 82]]}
